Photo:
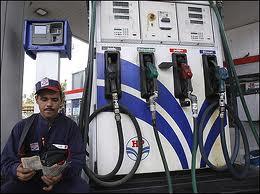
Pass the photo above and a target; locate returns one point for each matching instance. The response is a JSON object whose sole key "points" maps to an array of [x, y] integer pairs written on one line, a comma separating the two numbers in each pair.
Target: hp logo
{"points": [[132, 148]]}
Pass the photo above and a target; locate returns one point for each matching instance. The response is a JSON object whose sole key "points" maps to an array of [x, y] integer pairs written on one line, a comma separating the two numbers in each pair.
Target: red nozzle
{"points": [[185, 71]]}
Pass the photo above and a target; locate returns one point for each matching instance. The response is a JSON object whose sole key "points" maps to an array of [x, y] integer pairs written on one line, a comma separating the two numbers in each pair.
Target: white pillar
{"points": [[47, 65]]}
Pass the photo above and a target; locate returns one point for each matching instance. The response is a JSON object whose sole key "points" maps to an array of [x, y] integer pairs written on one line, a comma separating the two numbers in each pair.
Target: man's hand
{"points": [[50, 181], [24, 174]]}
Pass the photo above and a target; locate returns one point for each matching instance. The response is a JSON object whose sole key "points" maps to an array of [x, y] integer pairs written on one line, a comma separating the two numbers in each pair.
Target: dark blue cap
{"points": [[49, 84]]}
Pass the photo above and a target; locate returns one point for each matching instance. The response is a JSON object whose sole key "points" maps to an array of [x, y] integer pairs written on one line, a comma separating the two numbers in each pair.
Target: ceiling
{"points": [[73, 11], [240, 13], [236, 14]]}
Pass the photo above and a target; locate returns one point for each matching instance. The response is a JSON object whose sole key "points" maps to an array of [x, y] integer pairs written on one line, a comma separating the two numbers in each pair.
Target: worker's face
{"points": [[49, 103]]}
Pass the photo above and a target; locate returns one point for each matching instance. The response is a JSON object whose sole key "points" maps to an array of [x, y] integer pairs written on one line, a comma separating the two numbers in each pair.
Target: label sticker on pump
{"points": [[210, 52], [178, 50], [145, 49]]}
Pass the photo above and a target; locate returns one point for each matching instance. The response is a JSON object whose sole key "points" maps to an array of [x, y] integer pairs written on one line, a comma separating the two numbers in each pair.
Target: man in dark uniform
{"points": [[49, 127]]}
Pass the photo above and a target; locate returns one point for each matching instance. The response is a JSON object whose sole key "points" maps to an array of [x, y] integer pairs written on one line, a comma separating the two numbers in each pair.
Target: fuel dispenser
{"points": [[144, 40], [131, 39]]}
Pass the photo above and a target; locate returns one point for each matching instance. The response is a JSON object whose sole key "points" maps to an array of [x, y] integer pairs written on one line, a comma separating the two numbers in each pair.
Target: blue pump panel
{"points": [[47, 35]]}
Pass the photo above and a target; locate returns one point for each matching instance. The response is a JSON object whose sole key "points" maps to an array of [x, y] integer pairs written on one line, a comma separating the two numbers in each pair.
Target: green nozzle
{"points": [[151, 70]]}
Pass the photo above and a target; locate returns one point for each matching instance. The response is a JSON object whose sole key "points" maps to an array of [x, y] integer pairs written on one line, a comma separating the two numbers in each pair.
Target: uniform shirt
{"points": [[62, 131]]}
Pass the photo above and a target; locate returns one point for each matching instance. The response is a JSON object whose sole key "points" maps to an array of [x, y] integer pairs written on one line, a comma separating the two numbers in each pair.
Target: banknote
{"points": [[54, 170], [33, 162]]}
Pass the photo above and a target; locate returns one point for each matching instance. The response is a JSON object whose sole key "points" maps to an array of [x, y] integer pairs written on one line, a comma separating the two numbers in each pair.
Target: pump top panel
{"points": [[120, 21], [194, 23], [158, 22]]}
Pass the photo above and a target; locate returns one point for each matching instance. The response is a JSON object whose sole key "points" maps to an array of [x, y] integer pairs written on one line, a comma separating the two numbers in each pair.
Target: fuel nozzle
{"points": [[111, 74], [151, 70], [152, 105], [194, 104], [186, 74], [222, 75], [152, 74], [116, 106], [148, 74], [185, 71]]}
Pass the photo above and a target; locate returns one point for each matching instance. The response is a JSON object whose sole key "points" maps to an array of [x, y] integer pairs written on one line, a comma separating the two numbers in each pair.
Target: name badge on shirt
{"points": [[34, 146], [60, 146]]}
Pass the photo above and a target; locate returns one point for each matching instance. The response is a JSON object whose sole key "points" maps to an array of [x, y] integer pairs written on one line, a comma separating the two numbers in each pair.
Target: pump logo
{"points": [[132, 148]]}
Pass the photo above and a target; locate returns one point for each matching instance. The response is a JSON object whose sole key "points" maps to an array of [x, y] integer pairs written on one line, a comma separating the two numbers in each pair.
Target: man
{"points": [[49, 127]]}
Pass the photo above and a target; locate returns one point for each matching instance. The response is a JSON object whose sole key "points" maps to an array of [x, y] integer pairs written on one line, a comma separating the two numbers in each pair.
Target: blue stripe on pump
{"points": [[172, 107], [211, 138]]}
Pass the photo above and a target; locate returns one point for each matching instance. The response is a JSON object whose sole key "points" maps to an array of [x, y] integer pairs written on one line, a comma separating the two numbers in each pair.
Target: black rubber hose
{"points": [[167, 172], [82, 114], [86, 98], [120, 156], [210, 109], [194, 153], [239, 174], [91, 174]]}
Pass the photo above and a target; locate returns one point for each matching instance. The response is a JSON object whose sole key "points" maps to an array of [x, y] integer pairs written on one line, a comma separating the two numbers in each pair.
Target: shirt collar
{"points": [[46, 122]]}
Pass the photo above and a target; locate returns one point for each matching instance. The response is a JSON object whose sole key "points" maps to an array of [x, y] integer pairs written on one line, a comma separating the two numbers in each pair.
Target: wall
{"points": [[12, 59], [245, 41]]}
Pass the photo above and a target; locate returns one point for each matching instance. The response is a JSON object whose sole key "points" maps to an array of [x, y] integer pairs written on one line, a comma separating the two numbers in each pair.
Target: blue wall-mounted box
{"points": [[47, 35]]}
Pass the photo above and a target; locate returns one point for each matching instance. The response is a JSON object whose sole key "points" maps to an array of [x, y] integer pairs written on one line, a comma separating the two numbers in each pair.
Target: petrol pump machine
{"points": [[165, 51]]}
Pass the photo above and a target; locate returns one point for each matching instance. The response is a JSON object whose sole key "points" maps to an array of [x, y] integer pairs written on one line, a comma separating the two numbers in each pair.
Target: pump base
{"points": [[208, 181]]}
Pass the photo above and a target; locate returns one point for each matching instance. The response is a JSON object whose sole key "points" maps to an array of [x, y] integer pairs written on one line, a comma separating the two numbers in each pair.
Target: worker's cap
{"points": [[49, 84]]}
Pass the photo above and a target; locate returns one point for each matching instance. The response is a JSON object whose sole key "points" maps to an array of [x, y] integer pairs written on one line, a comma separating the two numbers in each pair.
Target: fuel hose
{"points": [[100, 179], [230, 162]]}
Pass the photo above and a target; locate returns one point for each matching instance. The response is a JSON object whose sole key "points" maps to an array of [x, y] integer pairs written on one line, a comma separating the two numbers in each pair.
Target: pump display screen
{"points": [[40, 29], [49, 33]]}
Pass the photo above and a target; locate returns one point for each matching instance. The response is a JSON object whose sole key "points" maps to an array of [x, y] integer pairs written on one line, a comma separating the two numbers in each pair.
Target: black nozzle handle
{"points": [[165, 65]]}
